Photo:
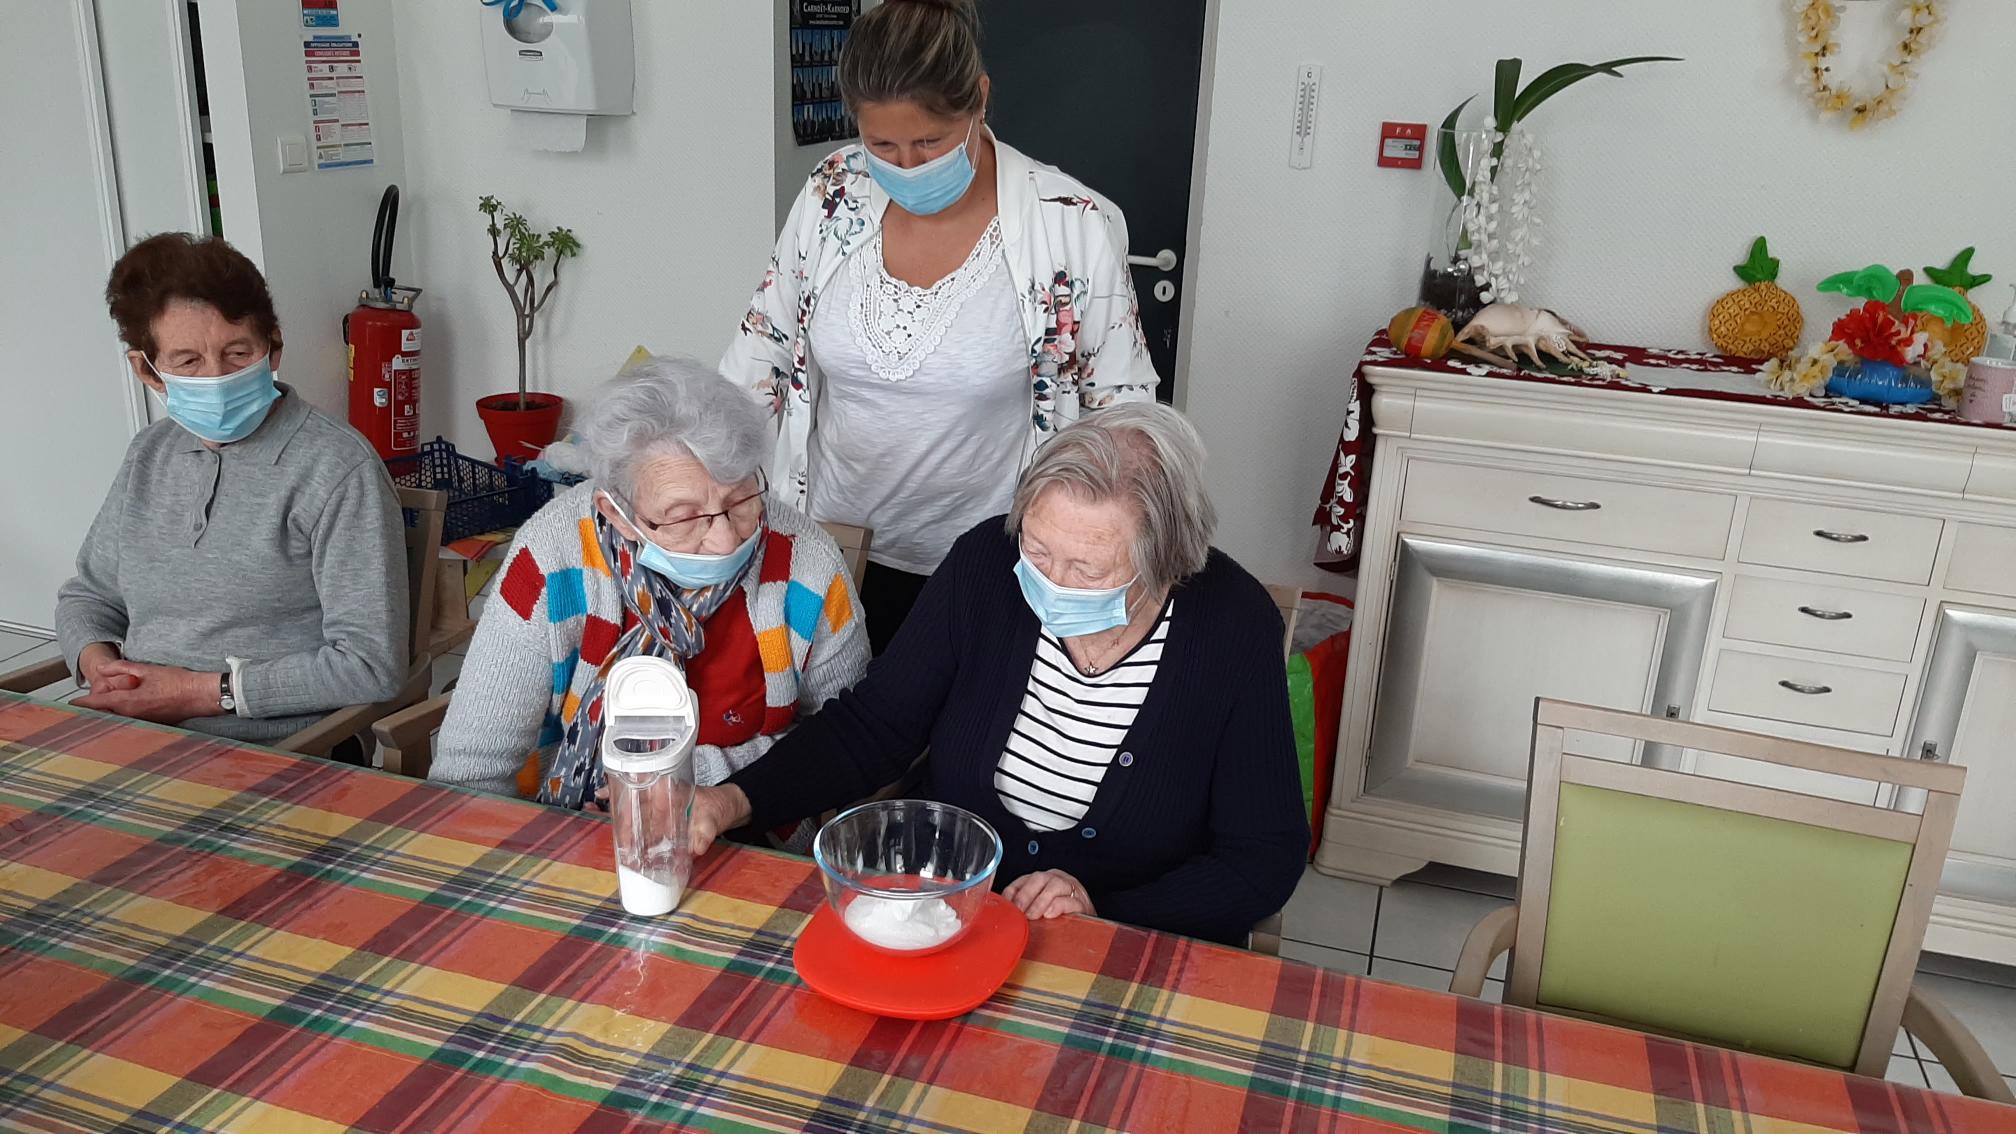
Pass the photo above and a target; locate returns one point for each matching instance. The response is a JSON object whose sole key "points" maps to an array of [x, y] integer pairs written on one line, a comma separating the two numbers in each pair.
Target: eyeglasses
{"points": [[746, 510]]}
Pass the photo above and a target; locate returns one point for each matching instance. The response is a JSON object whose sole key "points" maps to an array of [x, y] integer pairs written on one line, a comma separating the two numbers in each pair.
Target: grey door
{"points": [[1107, 91]]}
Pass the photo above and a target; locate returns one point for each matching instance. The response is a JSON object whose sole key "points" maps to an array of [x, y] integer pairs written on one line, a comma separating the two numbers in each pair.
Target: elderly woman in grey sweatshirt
{"points": [[247, 572], [673, 549]]}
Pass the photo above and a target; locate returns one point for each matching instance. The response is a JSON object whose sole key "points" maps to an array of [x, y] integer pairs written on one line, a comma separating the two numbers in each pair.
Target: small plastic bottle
{"points": [[647, 761]]}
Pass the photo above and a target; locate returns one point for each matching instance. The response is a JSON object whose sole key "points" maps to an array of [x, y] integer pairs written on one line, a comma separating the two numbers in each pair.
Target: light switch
{"points": [[293, 154]]}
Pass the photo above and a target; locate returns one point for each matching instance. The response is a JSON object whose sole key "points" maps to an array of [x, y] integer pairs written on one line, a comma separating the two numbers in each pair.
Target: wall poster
{"points": [[339, 111]]}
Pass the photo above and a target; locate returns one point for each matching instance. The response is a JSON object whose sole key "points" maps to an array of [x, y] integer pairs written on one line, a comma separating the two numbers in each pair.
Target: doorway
{"points": [[1126, 125]]}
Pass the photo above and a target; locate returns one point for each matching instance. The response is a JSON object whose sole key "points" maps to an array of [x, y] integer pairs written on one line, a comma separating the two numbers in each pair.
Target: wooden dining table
{"points": [[197, 935]]}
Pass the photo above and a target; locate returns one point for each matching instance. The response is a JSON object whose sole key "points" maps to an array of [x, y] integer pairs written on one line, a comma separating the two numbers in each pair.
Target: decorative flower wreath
{"points": [[1818, 20]]}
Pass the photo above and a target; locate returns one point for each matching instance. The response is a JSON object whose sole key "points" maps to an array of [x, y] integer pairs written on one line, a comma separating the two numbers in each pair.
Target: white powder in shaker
{"points": [[643, 895], [902, 923]]}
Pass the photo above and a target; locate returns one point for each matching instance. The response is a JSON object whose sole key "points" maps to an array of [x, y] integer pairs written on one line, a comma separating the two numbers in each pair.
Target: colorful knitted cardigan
{"points": [[557, 611]]}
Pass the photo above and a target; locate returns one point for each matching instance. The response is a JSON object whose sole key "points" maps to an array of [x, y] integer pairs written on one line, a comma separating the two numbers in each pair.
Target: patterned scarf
{"points": [[668, 625]]}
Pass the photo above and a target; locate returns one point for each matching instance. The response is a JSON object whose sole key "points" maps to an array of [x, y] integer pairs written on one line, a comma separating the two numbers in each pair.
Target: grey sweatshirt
{"points": [[284, 550]]}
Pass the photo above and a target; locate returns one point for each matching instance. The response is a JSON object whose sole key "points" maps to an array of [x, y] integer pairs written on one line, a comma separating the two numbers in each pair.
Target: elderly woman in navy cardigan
{"points": [[1094, 680]]}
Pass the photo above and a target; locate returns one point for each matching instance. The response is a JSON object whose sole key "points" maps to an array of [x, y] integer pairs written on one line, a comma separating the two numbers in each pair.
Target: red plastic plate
{"points": [[934, 986]]}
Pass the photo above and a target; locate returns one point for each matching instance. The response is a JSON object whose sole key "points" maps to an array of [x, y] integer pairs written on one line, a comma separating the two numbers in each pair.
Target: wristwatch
{"points": [[226, 700]]}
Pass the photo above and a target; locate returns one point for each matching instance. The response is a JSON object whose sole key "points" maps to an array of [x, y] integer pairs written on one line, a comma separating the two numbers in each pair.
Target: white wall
{"points": [[673, 204], [312, 235], [1654, 185]]}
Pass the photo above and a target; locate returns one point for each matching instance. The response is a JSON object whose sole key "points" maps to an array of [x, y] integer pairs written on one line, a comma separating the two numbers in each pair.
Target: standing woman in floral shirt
{"points": [[937, 305]]}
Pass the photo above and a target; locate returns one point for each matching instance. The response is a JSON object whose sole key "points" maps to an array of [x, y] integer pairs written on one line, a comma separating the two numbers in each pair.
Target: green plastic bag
{"points": [[1302, 706]]}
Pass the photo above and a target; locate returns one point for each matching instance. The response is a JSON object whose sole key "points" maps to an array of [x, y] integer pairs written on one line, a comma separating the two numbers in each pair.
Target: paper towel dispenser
{"points": [[572, 57]]}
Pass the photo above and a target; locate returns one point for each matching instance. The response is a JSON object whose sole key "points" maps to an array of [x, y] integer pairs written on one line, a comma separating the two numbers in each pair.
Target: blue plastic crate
{"points": [[481, 496]]}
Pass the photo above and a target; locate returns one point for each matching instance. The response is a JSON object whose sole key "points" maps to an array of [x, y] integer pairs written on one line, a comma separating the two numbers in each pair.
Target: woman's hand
{"points": [[160, 693], [715, 809], [1048, 893], [91, 662]]}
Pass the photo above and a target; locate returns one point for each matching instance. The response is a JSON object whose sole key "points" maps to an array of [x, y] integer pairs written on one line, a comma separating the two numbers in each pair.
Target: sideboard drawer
{"points": [[1841, 541], [1816, 617], [1984, 559], [1843, 697], [1607, 513]]}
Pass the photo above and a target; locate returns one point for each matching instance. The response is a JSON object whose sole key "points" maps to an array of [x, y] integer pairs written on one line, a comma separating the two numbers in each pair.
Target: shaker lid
{"points": [[648, 716]]}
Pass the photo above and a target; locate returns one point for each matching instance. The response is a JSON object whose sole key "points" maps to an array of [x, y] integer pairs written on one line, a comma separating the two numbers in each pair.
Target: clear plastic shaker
{"points": [[647, 759]]}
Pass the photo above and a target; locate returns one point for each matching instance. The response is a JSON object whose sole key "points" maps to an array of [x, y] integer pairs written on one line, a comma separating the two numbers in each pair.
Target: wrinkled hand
{"points": [[715, 809], [1048, 893], [91, 661], [163, 694]]}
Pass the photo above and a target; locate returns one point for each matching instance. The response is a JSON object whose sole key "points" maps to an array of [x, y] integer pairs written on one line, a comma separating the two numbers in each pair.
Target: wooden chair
{"points": [[1748, 917], [423, 557], [34, 675], [853, 543], [406, 737], [423, 550]]}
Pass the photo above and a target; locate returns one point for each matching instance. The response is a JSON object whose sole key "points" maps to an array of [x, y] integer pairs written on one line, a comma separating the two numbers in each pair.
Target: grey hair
{"points": [[1147, 455], [921, 51], [671, 407]]}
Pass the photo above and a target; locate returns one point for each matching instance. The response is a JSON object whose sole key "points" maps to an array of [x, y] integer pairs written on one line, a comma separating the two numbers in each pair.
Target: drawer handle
{"points": [[1841, 537], [1809, 690], [1566, 505], [1826, 615]]}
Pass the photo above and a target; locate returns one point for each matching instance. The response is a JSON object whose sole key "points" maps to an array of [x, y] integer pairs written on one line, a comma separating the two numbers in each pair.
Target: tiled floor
{"points": [[1411, 932]]}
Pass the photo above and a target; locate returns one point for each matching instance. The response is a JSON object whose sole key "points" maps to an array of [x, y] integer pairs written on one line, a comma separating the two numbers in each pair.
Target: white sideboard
{"points": [[1843, 578]]}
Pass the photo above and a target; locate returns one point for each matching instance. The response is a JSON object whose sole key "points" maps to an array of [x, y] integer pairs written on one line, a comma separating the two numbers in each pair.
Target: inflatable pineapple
{"points": [[1760, 319], [1964, 341]]}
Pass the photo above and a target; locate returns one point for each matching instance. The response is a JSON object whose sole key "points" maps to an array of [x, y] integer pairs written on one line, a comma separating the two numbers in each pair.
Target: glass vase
{"points": [[1480, 226]]}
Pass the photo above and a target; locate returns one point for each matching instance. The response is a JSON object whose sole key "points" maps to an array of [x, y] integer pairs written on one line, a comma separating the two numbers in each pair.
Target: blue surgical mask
{"points": [[931, 187], [688, 569], [224, 409], [695, 571], [1071, 612]]}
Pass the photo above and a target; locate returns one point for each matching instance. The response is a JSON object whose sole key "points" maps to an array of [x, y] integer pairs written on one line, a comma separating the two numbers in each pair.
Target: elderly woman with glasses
{"points": [[670, 549], [1092, 679]]}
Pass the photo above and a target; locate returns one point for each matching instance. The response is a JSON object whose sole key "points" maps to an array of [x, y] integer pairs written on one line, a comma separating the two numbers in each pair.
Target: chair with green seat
{"points": [[1748, 917]]}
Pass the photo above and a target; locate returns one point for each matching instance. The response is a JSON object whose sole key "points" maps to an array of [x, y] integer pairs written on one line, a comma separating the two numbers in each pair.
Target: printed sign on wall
{"points": [[818, 30]]}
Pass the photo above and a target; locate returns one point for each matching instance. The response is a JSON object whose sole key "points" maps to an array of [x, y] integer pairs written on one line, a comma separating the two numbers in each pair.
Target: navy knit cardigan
{"points": [[1198, 826]]}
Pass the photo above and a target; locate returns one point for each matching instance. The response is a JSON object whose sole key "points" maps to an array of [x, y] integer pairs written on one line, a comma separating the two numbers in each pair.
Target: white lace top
{"points": [[922, 421]]}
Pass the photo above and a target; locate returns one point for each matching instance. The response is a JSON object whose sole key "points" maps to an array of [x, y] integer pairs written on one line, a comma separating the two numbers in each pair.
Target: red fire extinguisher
{"points": [[383, 335]]}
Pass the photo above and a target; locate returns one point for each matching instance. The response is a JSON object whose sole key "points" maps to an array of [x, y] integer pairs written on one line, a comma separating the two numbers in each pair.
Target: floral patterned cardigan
{"points": [[1067, 252]]}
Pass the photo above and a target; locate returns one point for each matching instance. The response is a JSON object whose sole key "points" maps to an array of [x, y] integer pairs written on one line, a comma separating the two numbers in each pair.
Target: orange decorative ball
{"points": [[1421, 332]]}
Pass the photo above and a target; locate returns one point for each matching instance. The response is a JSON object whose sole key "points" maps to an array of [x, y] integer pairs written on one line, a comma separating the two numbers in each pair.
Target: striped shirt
{"points": [[1069, 728]]}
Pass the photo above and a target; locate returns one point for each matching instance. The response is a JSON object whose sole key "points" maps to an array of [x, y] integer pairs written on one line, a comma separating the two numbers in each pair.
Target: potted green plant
{"points": [[1483, 228], [524, 423]]}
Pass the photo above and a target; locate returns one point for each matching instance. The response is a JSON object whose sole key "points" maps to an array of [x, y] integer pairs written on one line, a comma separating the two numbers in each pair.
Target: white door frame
{"points": [[84, 18]]}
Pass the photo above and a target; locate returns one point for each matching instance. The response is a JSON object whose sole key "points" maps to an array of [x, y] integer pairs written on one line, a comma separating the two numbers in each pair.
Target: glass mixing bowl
{"points": [[907, 876]]}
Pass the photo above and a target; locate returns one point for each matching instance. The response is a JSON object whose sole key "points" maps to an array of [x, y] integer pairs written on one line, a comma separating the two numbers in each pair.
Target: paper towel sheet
{"points": [[560, 133]]}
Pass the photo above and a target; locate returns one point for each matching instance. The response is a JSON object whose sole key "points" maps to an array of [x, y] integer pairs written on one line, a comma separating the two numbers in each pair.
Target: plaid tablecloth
{"points": [[195, 936]]}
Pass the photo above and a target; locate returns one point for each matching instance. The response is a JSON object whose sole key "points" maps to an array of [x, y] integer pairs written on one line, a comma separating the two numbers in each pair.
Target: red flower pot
{"points": [[519, 432]]}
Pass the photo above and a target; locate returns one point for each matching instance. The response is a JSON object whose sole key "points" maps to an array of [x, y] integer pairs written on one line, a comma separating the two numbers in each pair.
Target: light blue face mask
{"points": [[931, 187], [688, 569], [224, 409], [1071, 612], [695, 571]]}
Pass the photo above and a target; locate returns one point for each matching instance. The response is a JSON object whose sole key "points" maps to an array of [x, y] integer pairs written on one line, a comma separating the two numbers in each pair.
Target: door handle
{"points": [[1164, 261], [1566, 505], [1826, 615], [1809, 690], [1841, 537]]}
